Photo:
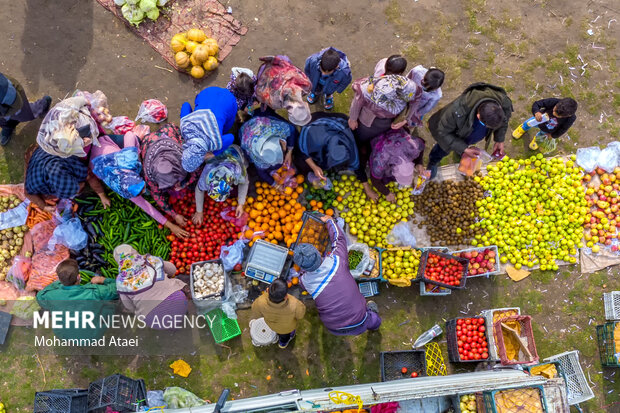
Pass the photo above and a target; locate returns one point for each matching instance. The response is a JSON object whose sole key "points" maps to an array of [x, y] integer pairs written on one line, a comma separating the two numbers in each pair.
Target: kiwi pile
{"points": [[449, 209]]}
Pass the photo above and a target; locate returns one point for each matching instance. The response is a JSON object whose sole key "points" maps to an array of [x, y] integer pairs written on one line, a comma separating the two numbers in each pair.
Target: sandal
{"points": [[329, 103], [311, 98]]}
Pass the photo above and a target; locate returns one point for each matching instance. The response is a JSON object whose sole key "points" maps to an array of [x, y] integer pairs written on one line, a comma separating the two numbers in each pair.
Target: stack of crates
{"points": [[61, 401], [578, 388]]}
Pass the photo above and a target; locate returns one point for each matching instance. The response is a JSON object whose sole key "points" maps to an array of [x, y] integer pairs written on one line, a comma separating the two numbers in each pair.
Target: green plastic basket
{"points": [[222, 328], [606, 344]]}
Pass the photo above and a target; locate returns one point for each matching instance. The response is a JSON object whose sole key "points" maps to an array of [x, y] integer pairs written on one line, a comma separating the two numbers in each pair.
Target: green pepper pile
{"points": [[355, 257]]}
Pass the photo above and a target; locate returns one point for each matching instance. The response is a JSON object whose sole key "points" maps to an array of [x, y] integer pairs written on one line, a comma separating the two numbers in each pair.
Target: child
{"points": [[552, 116], [280, 310], [429, 81], [241, 84], [329, 71]]}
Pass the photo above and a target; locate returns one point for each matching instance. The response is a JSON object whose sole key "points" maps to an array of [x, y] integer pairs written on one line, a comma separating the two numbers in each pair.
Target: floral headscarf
{"points": [[389, 92], [121, 172], [258, 130], [222, 172], [391, 149], [136, 273]]}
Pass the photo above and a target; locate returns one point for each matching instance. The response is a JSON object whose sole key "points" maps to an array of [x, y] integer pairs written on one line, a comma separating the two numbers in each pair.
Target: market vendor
{"points": [[218, 177], [67, 294], [327, 144], [50, 178], [342, 308], [268, 140], [396, 156], [480, 111], [120, 169], [146, 286], [282, 85], [204, 129], [161, 153]]}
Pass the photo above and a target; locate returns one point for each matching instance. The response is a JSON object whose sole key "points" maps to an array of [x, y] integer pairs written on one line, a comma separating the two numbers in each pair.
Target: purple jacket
{"points": [[334, 290], [337, 81]]}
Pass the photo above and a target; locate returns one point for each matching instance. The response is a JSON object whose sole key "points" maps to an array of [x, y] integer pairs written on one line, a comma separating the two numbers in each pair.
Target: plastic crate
{"points": [[526, 333], [202, 302], [435, 291], [490, 403], [486, 274], [453, 348], [456, 402], [488, 317], [394, 281], [313, 231], [222, 328], [118, 392], [607, 344], [612, 305], [393, 361], [422, 268], [578, 388], [61, 401], [557, 365]]}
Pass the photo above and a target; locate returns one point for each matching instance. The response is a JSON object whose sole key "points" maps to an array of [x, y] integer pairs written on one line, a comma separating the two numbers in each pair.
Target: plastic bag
{"points": [[285, 176], [152, 111], [176, 398], [120, 125], [229, 214], [14, 217], [318, 183], [546, 144], [19, 272], [155, 398], [608, 159], [232, 255], [587, 158], [43, 271], [361, 266], [41, 234], [402, 234], [469, 166], [98, 104], [420, 183], [70, 234]]}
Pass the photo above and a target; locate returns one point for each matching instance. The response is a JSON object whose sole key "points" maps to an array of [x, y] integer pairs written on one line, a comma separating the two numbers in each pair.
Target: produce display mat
{"points": [[180, 16]]}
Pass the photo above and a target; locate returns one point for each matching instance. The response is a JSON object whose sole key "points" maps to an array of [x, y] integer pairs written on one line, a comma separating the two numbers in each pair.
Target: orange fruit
{"points": [[339, 198], [300, 189], [299, 179], [248, 234], [259, 190], [254, 213], [295, 280], [313, 203], [319, 205], [296, 267], [249, 200], [288, 190], [257, 184], [329, 212], [289, 284], [259, 206]]}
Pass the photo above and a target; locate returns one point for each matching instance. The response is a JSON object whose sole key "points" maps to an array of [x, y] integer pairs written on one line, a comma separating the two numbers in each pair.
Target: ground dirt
{"points": [[534, 49]]}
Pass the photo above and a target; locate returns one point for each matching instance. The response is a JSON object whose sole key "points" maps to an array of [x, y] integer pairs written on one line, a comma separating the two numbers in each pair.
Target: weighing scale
{"points": [[266, 261]]}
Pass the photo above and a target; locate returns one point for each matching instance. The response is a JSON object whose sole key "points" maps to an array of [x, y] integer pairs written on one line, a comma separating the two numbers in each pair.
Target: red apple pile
{"points": [[480, 262], [471, 339], [604, 201], [448, 271]]}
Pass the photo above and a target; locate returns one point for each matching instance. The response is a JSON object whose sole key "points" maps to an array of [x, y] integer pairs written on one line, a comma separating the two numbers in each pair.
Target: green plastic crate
{"points": [[606, 344], [222, 328], [489, 398]]}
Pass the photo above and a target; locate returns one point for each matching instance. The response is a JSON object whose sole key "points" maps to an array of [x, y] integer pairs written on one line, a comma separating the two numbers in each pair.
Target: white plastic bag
{"points": [[363, 248], [402, 235], [608, 159], [587, 158], [120, 125], [232, 255], [15, 217], [70, 234], [152, 111]]}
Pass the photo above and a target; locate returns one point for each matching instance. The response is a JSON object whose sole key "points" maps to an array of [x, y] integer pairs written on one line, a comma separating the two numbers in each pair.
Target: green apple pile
{"points": [[371, 221], [535, 211]]}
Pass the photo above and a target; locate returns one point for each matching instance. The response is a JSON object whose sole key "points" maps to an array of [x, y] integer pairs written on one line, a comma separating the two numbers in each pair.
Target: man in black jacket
{"points": [[15, 108], [482, 110], [552, 116]]}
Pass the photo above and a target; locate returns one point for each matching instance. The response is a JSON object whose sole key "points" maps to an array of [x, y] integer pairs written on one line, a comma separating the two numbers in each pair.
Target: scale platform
{"points": [[368, 289], [265, 261]]}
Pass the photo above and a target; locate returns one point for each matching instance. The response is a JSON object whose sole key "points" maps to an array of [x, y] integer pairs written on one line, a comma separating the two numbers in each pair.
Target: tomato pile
{"points": [[444, 270], [205, 241], [471, 339], [404, 371]]}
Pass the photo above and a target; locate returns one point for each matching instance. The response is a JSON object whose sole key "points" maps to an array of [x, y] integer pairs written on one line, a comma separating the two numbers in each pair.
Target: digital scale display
{"points": [[266, 261]]}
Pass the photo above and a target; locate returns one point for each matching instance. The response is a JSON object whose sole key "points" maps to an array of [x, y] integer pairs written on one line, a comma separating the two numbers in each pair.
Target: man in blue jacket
{"points": [[330, 72]]}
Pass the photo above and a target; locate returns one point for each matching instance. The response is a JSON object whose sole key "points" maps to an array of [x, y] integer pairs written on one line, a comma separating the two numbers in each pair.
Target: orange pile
{"points": [[277, 215]]}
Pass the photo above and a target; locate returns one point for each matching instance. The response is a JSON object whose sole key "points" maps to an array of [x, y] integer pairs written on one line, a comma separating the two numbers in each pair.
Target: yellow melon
{"points": [[178, 42], [197, 72], [212, 46], [211, 63], [182, 60], [196, 35]]}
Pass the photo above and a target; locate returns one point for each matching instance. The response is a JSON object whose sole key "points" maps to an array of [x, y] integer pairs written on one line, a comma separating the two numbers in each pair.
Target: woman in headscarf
{"points": [[327, 143], [161, 153], [120, 169], [268, 140], [204, 129], [218, 177], [146, 287], [281, 85], [380, 101], [395, 156]]}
